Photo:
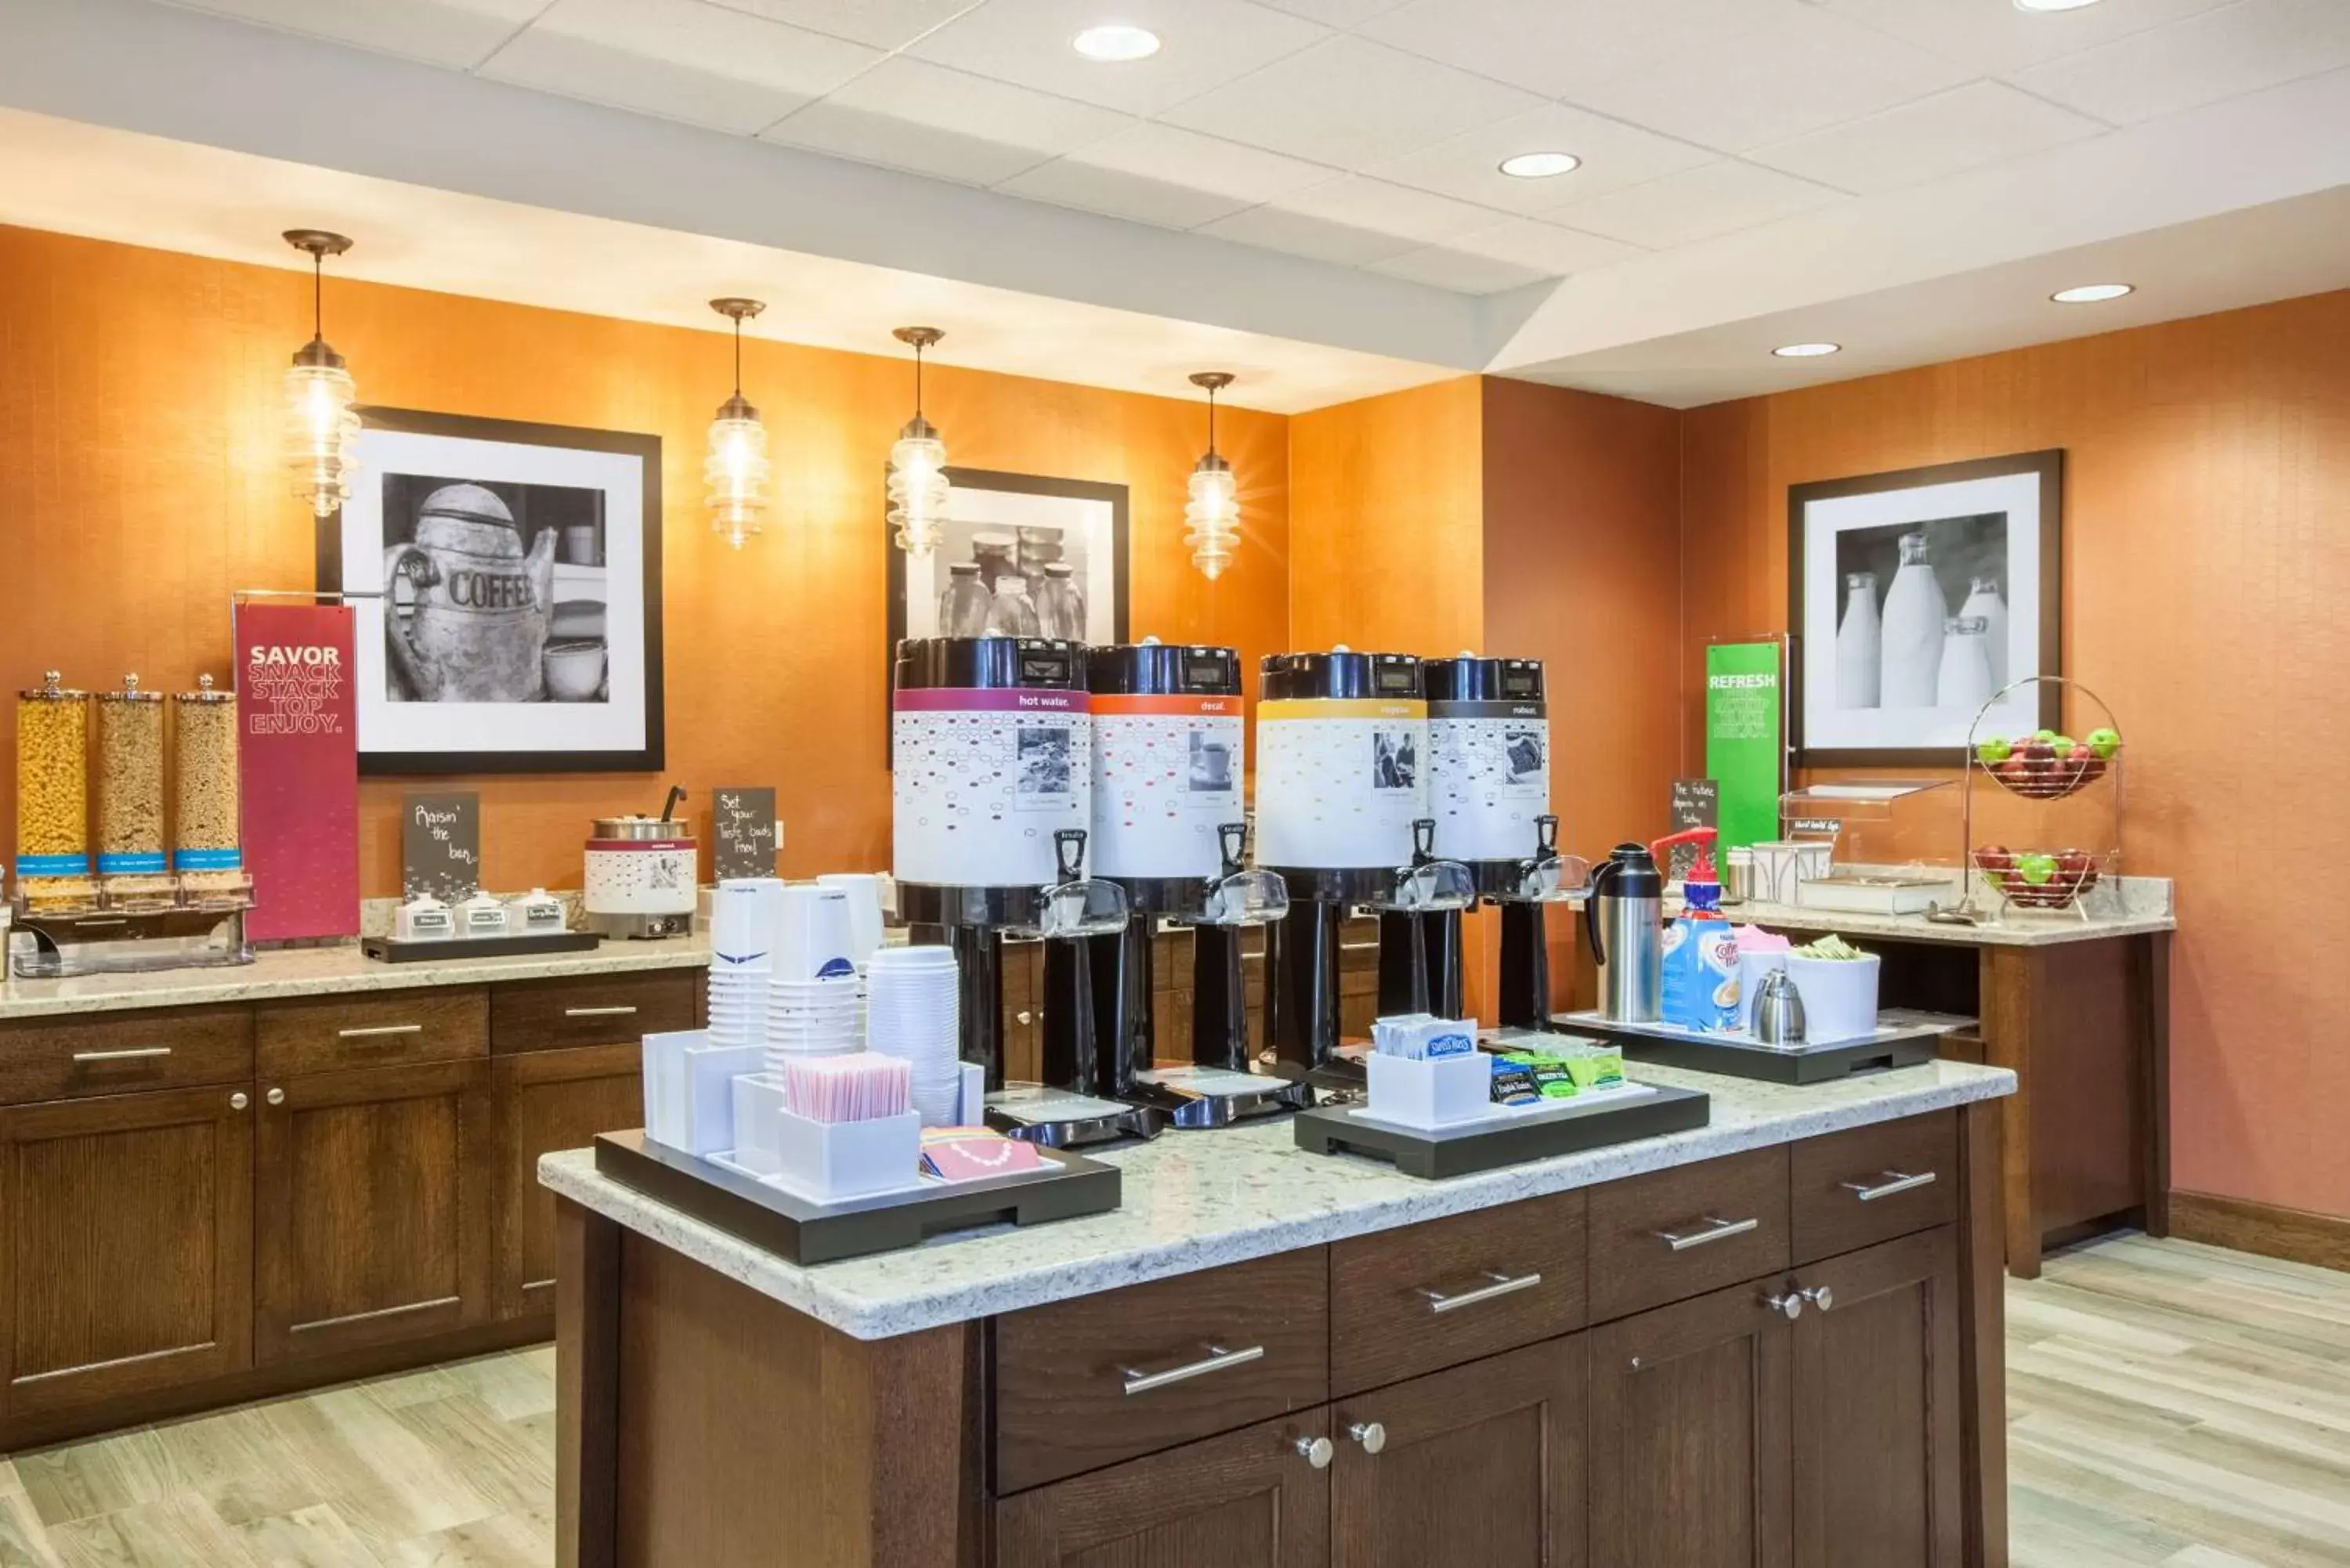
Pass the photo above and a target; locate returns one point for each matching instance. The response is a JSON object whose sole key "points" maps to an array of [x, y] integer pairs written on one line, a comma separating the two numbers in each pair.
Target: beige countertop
{"points": [[2136, 907], [323, 972]]}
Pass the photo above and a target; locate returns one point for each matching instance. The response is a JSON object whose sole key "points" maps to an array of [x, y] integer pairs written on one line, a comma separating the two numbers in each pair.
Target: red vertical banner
{"points": [[300, 759]]}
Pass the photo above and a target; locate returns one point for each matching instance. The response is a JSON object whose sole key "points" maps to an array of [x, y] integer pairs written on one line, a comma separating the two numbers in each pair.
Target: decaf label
{"points": [[441, 846], [743, 832]]}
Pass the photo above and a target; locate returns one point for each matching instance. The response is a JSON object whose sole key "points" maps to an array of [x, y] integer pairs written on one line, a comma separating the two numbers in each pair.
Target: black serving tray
{"points": [[391, 949], [1523, 1135], [1900, 1046], [799, 1231]]}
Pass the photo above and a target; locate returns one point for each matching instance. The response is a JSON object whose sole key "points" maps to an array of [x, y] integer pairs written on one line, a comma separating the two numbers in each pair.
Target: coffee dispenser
{"points": [[1489, 799], [992, 803], [1342, 817], [1169, 760]]}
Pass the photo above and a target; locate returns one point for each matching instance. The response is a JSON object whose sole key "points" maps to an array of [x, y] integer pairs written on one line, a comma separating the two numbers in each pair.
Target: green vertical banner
{"points": [[1745, 746]]}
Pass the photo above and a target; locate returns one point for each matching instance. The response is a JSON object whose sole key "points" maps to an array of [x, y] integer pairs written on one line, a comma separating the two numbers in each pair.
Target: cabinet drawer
{"points": [[599, 1010], [1413, 1300], [119, 1052], [1678, 1233], [1871, 1184], [335, 1032], [1088, 1383]]}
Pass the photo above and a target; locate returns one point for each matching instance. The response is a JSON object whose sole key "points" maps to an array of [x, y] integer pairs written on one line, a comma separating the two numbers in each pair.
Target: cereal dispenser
{"points": [[1342, 817], [991, 743], [53, 864], [207, 843], [1169, 762], [132, 870]]}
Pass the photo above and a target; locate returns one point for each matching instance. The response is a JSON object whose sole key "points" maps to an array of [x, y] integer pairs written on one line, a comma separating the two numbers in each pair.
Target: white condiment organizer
{"points": [[828, 1161], [1839, 995], [1437, 1092], [690, 1089]]}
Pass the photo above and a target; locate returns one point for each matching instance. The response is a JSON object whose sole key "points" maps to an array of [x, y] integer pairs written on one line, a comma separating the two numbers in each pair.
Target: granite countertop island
{"points": [[1199, 1200]]}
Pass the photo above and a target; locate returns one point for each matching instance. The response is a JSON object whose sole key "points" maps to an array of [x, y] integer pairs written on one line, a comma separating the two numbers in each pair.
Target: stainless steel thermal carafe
{"points": [[1623, 920]]}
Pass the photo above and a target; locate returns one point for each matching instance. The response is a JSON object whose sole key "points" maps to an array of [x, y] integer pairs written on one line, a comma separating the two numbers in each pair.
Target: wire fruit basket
{"points": [[2048, 858]]}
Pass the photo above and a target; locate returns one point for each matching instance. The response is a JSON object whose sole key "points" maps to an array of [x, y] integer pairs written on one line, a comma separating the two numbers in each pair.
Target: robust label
{"points": [[1489, 778], [1167, 774], [983, 780]]}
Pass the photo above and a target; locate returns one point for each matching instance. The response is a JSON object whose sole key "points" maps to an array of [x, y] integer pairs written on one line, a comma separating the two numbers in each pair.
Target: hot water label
{"points": [[983, 780], [1489, 777], [1340, 781], [1167, 775]]}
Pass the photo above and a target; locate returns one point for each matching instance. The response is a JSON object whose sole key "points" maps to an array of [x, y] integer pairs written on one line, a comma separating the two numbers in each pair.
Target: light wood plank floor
{"points": [[2169, 1406]]}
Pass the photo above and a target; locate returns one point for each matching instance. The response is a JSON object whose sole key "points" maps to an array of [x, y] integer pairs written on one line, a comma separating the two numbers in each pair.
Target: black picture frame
{"points": [[651, 756], [1114, 495], [2048, 467]]}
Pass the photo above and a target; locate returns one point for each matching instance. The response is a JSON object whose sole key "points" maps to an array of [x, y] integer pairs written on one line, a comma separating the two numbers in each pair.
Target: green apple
{"points": [[2044, 734], [2104, 743], [1995, 752], [2036, 870]]}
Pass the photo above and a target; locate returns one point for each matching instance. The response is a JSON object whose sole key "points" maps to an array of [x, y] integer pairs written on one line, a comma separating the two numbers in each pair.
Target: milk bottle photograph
{"points": [[1915, 613], [1984, 603], [1964, 681], [1859, 643]]}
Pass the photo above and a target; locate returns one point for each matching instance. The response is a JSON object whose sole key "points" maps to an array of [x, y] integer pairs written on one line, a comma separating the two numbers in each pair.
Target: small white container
{"points": [[1433, 1092], [1839, 996], [1778, 871], [829, 1161], [689, 1089], [538, 913]]}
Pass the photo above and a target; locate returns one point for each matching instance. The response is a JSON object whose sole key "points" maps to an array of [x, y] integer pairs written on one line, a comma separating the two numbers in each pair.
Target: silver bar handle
{"points": [[1900, 1183], [1218, 1359], [378, 1031], [133, 1054], [616, 1012], [1502, 1285], [1717, 1228]]}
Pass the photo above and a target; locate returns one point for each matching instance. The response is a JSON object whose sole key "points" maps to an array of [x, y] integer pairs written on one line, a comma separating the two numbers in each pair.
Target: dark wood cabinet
{"points": [[372, 1221], [546, 1101], [1689, 1435], [126, 1254], [1877, 1433], [1250, 1499], [1479, 1467]]}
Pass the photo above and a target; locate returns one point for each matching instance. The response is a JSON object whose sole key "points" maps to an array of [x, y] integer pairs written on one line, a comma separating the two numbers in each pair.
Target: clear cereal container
{"points": [[207, 847], [132, 869], [53, 870]]}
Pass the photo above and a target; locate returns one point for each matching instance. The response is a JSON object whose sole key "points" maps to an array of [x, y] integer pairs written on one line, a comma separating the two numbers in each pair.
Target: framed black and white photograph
{"points": [[507, 584], [1017, 556], [1918, 597]]}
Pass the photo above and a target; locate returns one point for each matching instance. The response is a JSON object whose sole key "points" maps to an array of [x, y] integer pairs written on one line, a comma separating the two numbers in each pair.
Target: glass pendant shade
{"points": [[734, 475], [1213, 512], [321, 427], [919, 494]]}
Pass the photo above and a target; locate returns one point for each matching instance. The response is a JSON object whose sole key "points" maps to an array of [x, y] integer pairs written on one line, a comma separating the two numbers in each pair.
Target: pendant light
{"points": [[319, 424], [1214, 513], [919, 491], [735, 472]]}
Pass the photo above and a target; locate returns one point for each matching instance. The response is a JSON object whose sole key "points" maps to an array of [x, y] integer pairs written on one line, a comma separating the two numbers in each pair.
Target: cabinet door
{"points": [[1877, 1460], [126, 1245], [546, 1101], [1688, 1437], [1250, 1499], [1480, 1466], [373, 1215]]}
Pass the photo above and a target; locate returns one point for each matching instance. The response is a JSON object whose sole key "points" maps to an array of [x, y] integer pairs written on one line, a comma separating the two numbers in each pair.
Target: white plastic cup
{"points": [[864, 891], [813, 939], [746, 913]]}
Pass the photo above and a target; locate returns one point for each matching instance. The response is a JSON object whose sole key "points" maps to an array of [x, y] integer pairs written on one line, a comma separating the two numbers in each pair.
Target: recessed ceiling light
{"points": [[1540, 165], [1116, 41], [2091, 293], [2052, 4], [1807, 350]]}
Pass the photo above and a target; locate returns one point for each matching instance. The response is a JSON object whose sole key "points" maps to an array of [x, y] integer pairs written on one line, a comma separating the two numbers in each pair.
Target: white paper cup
{"points": [[814, 939], [744, 914], [863, 890]]}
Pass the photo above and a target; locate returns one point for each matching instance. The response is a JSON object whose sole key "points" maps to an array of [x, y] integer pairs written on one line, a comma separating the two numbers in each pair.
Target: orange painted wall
{"points": [[2207, 562], [138, 486]]}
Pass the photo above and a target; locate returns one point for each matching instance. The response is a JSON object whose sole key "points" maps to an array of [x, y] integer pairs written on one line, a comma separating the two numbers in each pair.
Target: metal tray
{"points": [[391, 949], [1903, 1044], [1513, 1138], [800, 1231]]}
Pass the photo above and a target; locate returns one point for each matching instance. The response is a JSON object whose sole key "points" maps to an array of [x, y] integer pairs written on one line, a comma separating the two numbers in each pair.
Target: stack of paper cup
{"points": [[815, 937], [911, 1013], [864, 891], [812, 1018], [745, 914]]}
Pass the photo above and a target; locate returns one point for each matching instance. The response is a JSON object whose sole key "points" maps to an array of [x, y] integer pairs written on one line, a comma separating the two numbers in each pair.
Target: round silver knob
{"points": [[238, 1101], [1316, 1452], [1821, 1296], [1791, 1305], [276, 1097], [1370, 1434]]}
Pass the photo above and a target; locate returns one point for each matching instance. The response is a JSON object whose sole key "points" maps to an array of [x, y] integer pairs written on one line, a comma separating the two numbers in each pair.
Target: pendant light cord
{"points": [[918, 380], [1211, 422], [738, 356], [317, 293]]}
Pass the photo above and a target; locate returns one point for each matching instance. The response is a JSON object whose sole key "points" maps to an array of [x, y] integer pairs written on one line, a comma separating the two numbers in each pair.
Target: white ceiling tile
{"points": [[884, 24], [1614, 155], [1967, 127], [1202, 43], [1336, 13], [461, 33], [682, 59], [1067, 183], [909, 114], [1164, 175], [1551, 250], [1695, 204], [1558, 47], [2222, 54], [1795, 76], [1999, 39], [1441, 267], [1351, 103], [1385, 209], [1277, 230]]}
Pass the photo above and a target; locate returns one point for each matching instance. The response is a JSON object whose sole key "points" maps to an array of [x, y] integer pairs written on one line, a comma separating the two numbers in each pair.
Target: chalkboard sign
{"points": [[1697, 802], [441, 846], [742, 833]]}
